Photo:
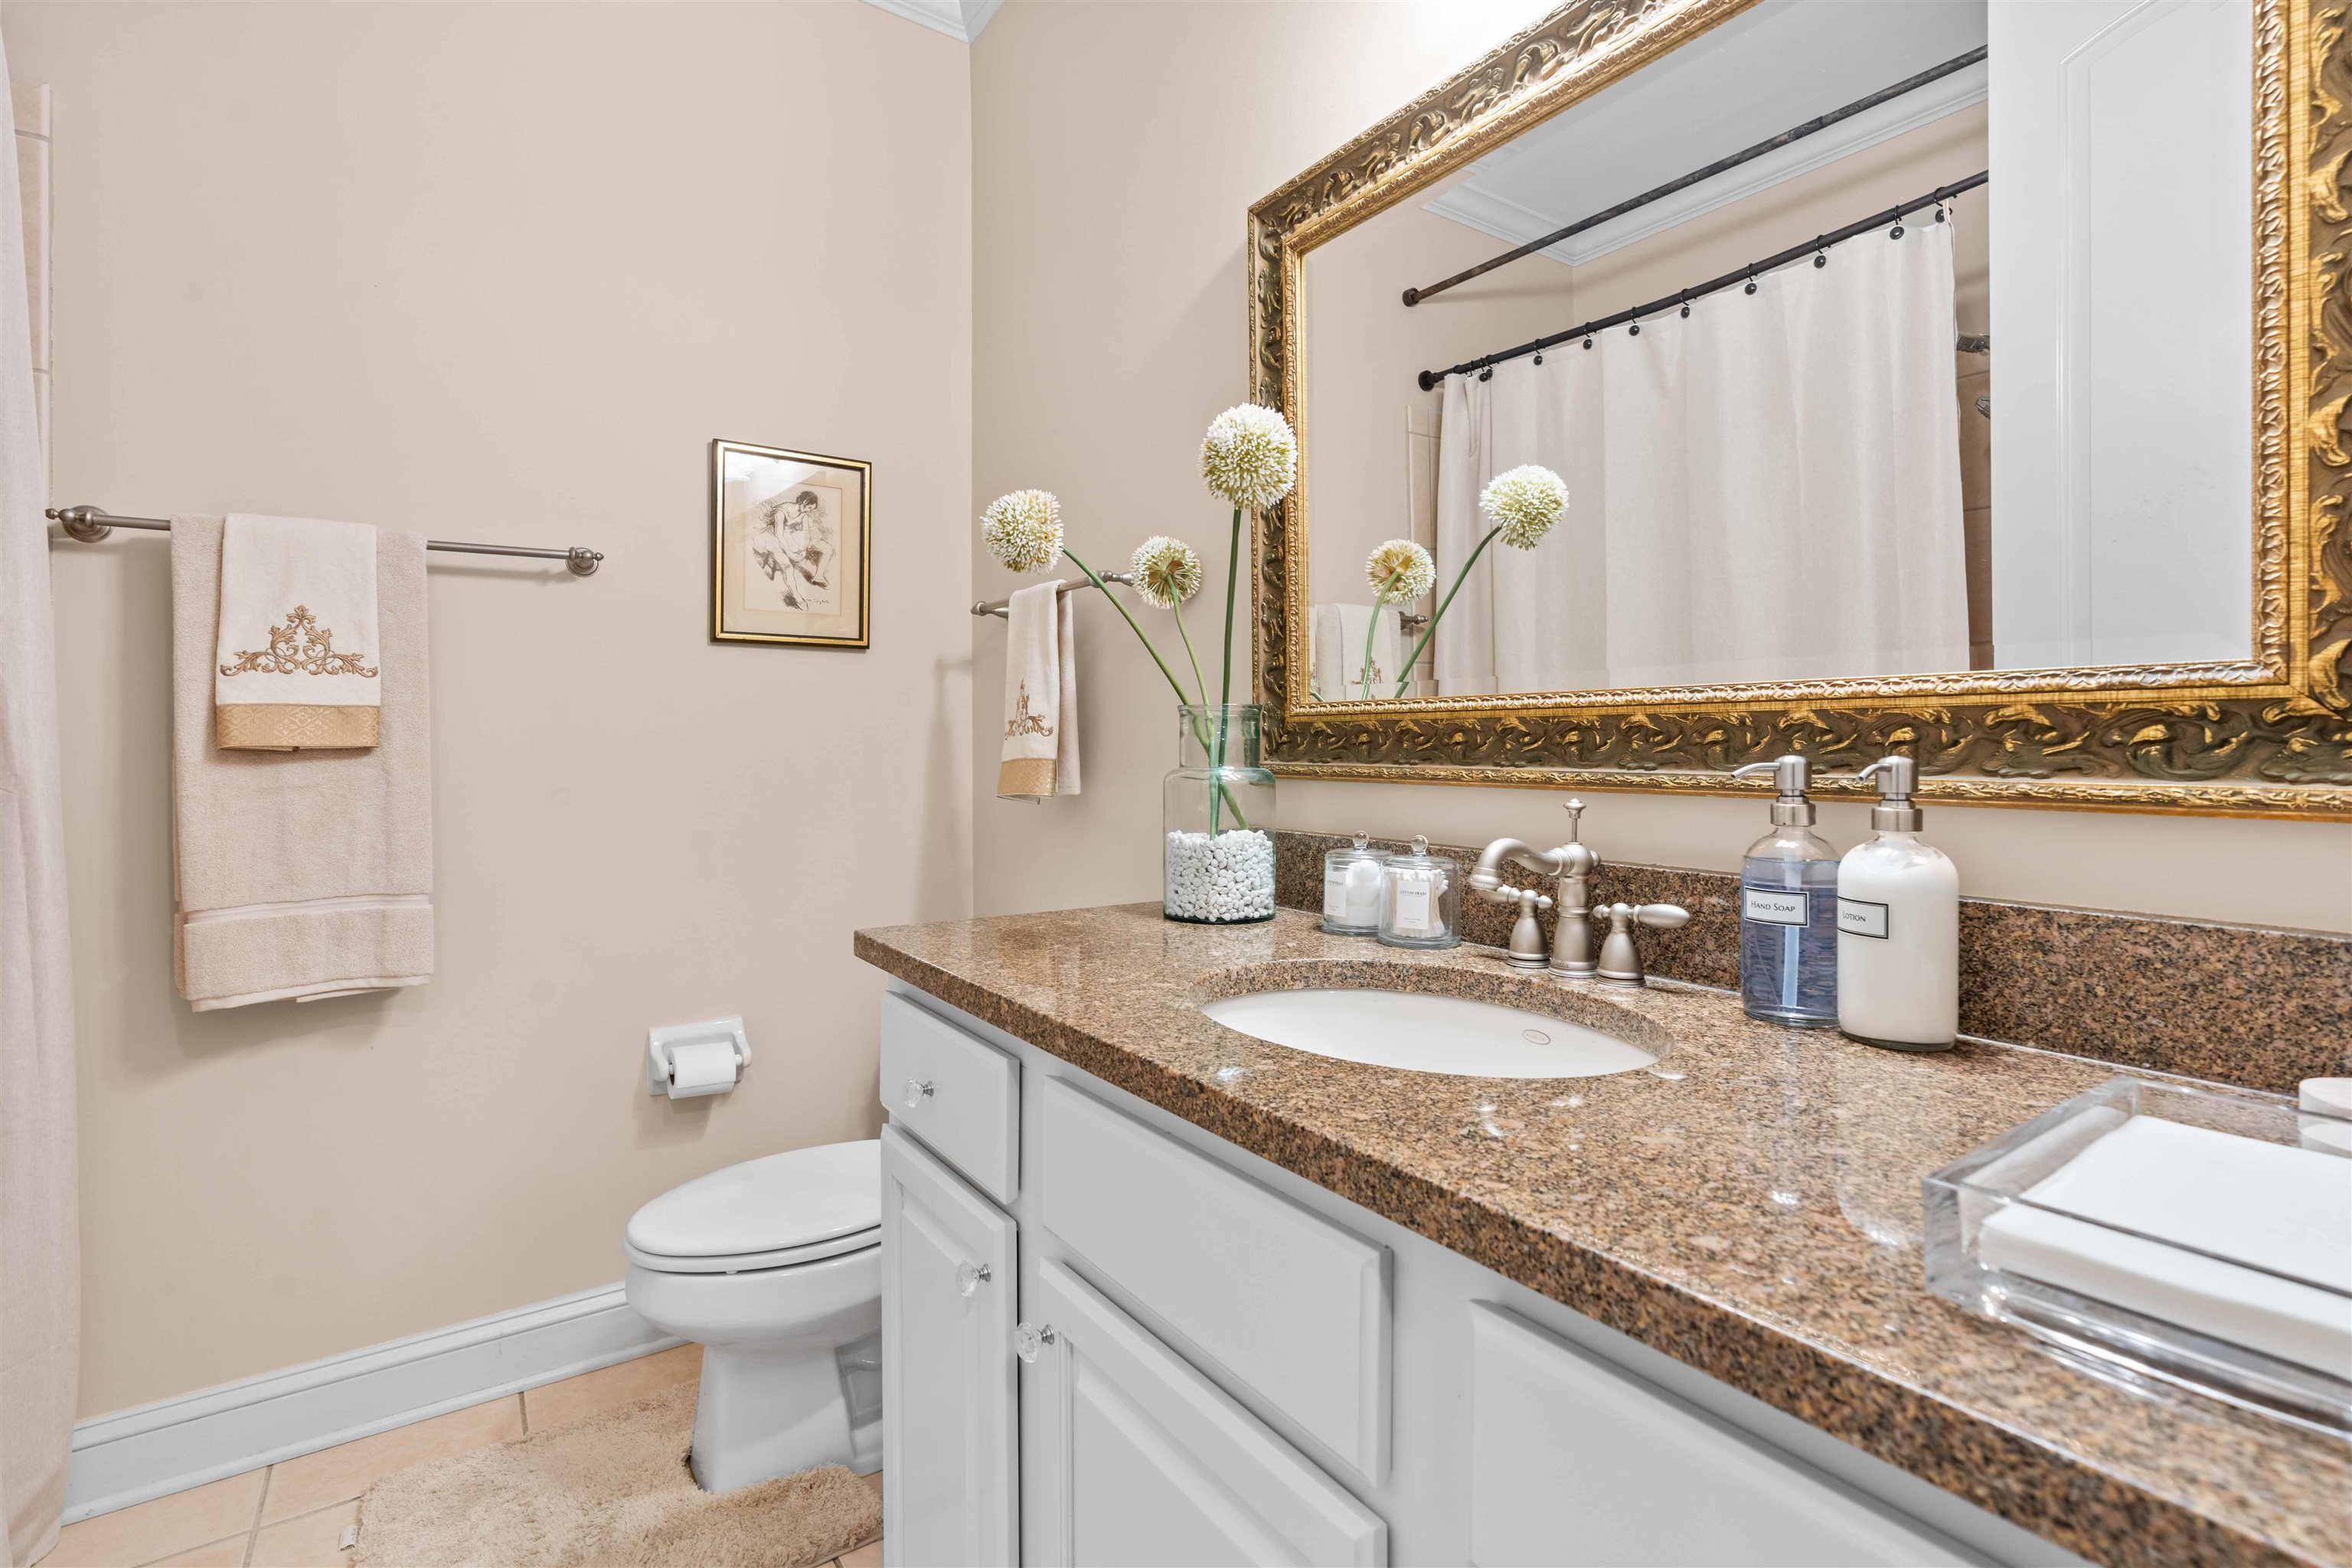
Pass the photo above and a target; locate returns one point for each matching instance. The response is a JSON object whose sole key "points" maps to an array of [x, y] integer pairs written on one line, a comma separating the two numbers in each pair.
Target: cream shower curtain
{"points": [[40, 1283], [1766, 490]]}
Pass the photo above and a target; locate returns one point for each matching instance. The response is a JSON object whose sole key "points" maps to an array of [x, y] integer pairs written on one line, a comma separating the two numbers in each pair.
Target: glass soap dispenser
{"points": [[1421, 905], [1788, 909], [1353, 875]]}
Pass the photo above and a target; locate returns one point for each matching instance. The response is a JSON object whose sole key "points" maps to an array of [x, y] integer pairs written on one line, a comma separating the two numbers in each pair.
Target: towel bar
{"points": [[998, 606], [89, 524]]}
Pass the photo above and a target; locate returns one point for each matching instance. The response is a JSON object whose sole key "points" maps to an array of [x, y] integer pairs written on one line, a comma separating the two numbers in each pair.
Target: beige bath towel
{"points": [[1040, 696], [296, 657], [299, 874]]}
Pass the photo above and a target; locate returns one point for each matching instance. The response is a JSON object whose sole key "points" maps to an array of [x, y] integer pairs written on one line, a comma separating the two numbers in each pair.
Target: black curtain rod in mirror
{"points": [[1794, 133], [1814, 247]]}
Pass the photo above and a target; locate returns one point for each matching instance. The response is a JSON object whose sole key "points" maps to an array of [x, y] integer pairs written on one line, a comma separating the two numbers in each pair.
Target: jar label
{"points": [[1773, 908], [1860, 916], [1335, 892], [1411, 917]]}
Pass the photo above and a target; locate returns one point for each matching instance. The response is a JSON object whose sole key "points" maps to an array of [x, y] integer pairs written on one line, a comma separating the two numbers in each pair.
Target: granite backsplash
{"points": [[2227, 1003]]}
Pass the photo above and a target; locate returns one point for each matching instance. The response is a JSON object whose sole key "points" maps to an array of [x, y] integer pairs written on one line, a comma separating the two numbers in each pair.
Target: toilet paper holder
{"points": [[664, 1044]]}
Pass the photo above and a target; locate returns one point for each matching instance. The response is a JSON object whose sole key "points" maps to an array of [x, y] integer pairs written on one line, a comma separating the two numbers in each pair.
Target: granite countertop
{"points": [[1750, 1206]]}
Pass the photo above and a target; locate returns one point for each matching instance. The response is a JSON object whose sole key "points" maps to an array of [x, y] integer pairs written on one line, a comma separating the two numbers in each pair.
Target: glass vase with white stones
{"points": [[1217, 808]]}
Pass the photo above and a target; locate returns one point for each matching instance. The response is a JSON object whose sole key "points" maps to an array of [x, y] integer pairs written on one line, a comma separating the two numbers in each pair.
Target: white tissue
{"points": [[706, 1067]]}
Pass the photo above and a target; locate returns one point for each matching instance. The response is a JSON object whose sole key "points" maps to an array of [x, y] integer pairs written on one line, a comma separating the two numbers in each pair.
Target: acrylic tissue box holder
{"points": [[2135, 1340]]}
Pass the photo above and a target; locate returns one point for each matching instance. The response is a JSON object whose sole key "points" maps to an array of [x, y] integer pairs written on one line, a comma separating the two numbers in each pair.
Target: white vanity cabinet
{"points": [[1129, 1455], [1216, 1361], [949, 1443]]}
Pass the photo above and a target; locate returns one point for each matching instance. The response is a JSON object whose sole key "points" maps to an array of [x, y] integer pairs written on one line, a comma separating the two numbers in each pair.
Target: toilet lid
{"points": [[789, 1200]]}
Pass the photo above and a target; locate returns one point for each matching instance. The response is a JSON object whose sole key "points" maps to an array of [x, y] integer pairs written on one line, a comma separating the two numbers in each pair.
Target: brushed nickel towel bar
{"points": [[998, 607], [89, 524]]}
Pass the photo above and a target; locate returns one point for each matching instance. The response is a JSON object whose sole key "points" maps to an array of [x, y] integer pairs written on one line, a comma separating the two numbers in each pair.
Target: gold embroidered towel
{"points": [[298, 663], [309, 873], [1040, 696]]}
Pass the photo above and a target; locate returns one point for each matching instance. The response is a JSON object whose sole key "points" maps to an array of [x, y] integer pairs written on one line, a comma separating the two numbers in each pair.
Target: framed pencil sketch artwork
{"points": [[791, 546]]}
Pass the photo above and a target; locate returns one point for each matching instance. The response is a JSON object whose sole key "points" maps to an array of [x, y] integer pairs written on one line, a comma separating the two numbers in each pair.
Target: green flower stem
{"points": [[1225, 676], [1430, 630], [1379, 597], [1200, 731], [1198, 677]]}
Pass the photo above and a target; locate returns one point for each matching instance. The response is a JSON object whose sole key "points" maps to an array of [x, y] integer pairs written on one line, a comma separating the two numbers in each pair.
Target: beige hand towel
{"points": [[299, 874], [1335, 635], [296, 655], [1040, 696]]}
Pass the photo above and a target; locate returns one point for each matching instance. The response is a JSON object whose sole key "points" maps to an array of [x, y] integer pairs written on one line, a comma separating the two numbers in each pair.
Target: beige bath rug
{"points": [[612, 1489]]}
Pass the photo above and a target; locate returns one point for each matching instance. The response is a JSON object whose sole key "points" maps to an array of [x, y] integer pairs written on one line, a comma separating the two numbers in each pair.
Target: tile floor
{"points": [[293, 1515]]}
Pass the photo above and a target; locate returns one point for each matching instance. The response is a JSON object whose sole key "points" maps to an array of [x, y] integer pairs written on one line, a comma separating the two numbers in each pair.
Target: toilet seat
{"points": [[773, 1213], [750, 1262]]}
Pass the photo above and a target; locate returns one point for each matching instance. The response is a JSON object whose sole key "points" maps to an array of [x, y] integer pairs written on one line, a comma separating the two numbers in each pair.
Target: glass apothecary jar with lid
{"points": [[1421, 903]]}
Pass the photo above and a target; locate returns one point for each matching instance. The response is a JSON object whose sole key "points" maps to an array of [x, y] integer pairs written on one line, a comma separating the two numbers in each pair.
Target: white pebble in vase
{"points": [[1221, 879]]}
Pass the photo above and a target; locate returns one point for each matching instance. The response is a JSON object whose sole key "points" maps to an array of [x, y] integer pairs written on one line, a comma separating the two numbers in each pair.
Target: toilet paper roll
{"points": [[705, 1067]]}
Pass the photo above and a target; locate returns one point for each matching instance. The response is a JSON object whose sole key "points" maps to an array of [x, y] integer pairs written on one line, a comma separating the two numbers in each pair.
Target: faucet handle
{"points": [[1619, 960], [1527, 949]]}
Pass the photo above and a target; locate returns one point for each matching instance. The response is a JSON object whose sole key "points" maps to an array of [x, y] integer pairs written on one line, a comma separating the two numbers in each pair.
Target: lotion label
{"points": [[1770, 908], [1861, 917]]}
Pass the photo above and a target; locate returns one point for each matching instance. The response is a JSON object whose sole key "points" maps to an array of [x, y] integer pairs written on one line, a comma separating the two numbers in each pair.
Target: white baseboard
{"points": [[134, 1454]]}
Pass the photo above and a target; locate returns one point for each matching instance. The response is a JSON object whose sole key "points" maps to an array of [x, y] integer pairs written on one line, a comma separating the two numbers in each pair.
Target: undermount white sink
{"points": [[1422, 1033]]}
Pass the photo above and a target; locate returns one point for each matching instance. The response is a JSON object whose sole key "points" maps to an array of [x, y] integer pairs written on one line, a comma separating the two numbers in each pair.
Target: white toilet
{"points": [[775, 1266]]}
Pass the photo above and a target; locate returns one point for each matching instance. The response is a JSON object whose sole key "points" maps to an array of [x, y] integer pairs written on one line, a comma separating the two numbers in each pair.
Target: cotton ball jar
{"points": [[1217, 879]]}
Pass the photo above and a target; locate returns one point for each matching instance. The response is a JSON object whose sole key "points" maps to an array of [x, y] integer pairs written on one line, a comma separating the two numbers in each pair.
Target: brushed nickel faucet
{"points": [[1576, 951]]}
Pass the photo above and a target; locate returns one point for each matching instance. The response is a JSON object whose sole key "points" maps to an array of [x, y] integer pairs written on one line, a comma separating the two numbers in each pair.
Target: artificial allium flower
{"points": [[1024, 529], [1414, 572], [1249, 457], [1523, 503], [1166, 571]]}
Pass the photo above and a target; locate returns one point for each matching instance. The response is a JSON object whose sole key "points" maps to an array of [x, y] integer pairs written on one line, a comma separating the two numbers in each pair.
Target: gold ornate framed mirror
{"points": [[2155, 624]]}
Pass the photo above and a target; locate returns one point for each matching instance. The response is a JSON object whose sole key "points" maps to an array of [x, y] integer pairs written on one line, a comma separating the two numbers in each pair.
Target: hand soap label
{"points": [[1861, 917], [1771, 907]]}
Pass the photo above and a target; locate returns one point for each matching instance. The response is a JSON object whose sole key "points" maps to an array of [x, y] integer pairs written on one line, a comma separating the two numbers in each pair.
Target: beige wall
{"points": [[1107, 258], [501, 272]]}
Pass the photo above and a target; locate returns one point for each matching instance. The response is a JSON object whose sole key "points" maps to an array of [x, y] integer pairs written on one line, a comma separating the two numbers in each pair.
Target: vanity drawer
{"points": [[1281, 1301], [960, 1095]]}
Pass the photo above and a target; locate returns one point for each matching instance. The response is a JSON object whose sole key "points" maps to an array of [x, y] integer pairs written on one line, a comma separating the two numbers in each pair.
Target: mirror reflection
{"points": [[1750, 304]]}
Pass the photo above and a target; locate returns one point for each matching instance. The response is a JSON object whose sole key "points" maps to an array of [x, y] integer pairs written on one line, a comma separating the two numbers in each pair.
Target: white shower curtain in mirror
{"points": [[1768, 489], [39, 1243]]}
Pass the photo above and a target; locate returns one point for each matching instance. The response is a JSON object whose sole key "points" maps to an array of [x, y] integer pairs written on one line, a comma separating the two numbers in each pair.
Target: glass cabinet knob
{"points": [[915, 1093], [970, 1278], [1029, 1342]]}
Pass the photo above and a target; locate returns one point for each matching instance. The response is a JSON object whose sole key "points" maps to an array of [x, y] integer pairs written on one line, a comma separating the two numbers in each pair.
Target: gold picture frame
{"points": [[2270, 735], [792, 547]]}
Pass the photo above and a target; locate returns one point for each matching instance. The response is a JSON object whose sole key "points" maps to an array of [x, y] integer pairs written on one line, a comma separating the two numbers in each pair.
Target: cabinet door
{"points": [[1576, 1462], [1131, 1456], [951, 1481]]}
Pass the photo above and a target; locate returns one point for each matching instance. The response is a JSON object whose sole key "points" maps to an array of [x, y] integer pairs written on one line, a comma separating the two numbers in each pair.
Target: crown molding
{"points": [[959, 19]]}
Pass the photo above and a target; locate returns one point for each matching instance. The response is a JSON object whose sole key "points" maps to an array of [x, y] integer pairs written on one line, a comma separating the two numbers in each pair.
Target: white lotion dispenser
{"points": [[1898, 963]]}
